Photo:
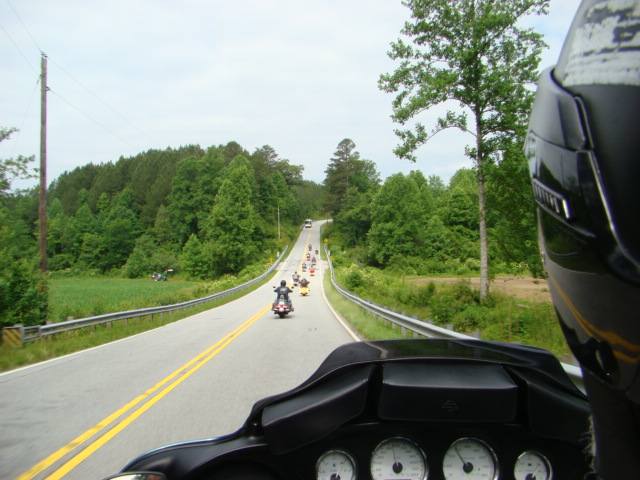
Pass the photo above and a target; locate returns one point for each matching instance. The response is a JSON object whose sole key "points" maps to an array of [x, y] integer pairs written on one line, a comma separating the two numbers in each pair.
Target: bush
{"points": [[353, 278], [472, 264], [434, 267], [254, 270], [422, 295], [194, 259], [450, 300], [24, 293], [60, 261], [401, 265], [473, 317]]}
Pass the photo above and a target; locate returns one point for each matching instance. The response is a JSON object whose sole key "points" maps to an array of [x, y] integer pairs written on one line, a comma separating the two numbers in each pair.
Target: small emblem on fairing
{"points": [[450, 406]]}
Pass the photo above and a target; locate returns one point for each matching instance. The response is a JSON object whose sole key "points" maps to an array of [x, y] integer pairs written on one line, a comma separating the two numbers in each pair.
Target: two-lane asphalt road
{"points": [[85, 415]]}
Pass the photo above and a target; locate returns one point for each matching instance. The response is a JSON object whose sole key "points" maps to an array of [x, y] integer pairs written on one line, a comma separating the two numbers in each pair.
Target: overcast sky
{"points": [[300, 76]]}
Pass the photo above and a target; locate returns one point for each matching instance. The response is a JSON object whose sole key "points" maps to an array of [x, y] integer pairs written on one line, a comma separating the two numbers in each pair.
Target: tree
{"points": [[193, 258], [13, 168], [397, 220], [310, 195], [140, 262], [121, 228], [264, 161], [354, 220], [459, 212], [193, 189], [148, 257], [23, 288], [231, 223], [84, 222], [60, 236], [347, 171], [437, 240], [162, 229], [515, 230], [92, 252], [470, 53]]}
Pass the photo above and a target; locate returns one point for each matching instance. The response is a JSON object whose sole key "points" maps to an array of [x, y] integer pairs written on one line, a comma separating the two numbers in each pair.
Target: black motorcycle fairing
{"points": [[300, 419], [433, 349], [426, 390]]}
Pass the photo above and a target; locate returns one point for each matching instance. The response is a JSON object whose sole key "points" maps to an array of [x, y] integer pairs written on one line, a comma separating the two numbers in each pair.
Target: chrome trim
{"points": [[551, 200]]}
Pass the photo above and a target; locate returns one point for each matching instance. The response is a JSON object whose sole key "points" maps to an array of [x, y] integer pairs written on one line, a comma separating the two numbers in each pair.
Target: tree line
{"points": [[208, 212], [203, 212], [213, 212], [416, 224]]}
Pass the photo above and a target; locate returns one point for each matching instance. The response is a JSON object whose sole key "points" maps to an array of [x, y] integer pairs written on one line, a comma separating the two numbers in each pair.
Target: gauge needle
{"points": [[397, 466], [532, 475], [337, 474], [466, 466]]}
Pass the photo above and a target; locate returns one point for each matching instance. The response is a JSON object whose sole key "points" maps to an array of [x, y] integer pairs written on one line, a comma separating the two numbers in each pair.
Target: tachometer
{"points": [[398, 458], [336, 465], [470, 458], [532, 465]]}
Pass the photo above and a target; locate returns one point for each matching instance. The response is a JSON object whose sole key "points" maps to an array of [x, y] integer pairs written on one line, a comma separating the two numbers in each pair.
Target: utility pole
{"points": [[42, 201], [278, 222]]}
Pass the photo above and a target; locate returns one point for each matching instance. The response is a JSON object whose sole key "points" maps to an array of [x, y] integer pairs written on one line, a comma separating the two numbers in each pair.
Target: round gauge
{"points": [[398, 458], [470, 458], [336, 465], [532, 465]]}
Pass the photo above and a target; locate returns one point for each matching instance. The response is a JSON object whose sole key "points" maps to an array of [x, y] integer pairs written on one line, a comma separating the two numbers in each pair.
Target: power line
{"points": [[94, 120], [103, 102], [24, 119], [74, 79], [25, 27], [18, 48]]}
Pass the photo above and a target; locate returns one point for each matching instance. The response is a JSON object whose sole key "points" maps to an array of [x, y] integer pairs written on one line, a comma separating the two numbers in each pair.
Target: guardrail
{"points": [[425, 329], [28, 334]]}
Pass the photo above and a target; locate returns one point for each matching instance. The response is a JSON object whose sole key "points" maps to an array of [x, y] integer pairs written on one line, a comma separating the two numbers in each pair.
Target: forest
{"points": [[210, 212]]}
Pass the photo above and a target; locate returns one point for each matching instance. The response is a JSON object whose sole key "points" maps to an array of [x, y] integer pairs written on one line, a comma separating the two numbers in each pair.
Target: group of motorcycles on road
{"points": [[283, 305]]}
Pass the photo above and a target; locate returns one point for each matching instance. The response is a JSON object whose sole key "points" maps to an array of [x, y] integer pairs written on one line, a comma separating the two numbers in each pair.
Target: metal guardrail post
{"points": [[12, 336]]}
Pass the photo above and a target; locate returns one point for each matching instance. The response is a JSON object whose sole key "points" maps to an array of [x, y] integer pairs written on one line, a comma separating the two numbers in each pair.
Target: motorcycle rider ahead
{"points": [[284, 291]]}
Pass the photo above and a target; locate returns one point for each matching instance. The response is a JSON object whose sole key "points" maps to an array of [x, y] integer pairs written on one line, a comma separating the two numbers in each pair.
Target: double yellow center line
{"points": [[147, 400]]}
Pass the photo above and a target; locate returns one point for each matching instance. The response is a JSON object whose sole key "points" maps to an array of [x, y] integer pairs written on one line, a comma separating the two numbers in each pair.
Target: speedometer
{"points": [[336, 465], [470, 458], [398, 458], [532, 465]]}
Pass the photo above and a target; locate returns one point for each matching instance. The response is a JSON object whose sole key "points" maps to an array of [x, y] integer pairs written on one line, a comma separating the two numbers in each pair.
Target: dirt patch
{"points": [[524, 288]]}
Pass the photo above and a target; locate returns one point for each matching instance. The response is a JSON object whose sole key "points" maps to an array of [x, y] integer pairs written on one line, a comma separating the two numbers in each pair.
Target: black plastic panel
{"points": [[480, 393]]}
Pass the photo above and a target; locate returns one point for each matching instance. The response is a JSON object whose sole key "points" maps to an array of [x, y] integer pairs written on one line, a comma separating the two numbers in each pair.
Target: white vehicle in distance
{"points": [[307, 223]]}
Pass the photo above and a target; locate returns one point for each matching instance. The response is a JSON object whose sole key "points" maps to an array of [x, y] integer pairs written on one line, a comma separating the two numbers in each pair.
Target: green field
{"points": [[85, 297]]}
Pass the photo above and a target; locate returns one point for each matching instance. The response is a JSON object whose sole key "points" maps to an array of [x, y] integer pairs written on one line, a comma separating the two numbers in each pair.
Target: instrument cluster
{"points": [[466, 458], [441, 451]]}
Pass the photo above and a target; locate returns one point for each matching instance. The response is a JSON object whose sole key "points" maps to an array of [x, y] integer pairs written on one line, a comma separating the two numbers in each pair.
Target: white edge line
{"points": [[51, 360], [342, 322]]}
